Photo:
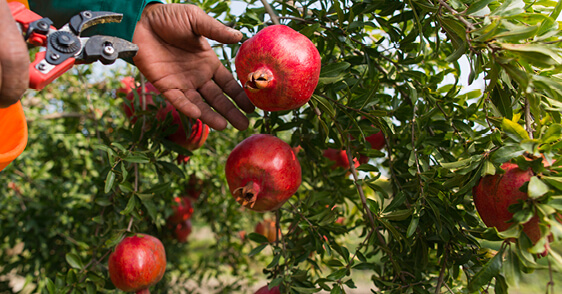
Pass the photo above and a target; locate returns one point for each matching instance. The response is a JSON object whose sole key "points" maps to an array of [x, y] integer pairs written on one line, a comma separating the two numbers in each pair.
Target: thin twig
{"points": [[271, 12], [457, 15], [528, 118]]}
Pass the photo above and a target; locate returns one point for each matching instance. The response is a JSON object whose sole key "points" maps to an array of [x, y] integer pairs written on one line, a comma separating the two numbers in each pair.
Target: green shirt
{"points": [[60, 12]]}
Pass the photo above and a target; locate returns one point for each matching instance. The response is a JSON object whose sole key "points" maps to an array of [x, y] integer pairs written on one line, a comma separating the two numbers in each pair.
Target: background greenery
{"points": [[89, 176]]}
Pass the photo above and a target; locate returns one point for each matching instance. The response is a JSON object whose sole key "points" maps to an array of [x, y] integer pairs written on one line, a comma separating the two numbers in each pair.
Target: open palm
{"points": [[177, 59]]}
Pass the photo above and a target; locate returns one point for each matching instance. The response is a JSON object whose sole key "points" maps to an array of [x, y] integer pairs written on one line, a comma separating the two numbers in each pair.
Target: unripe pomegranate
{"points": [[279, 68], [340, 158], [182, 210], [183, 230], [199, 130], [263, 172], [137, 263], [495, 193], [267, 228], [265, 290]]}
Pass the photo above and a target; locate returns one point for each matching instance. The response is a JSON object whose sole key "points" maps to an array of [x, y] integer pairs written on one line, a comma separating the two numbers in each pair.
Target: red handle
{"points": [[41, 73]]}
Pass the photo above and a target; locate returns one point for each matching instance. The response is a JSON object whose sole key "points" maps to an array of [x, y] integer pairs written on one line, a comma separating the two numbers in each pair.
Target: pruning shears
{"points": [[64, 46]]}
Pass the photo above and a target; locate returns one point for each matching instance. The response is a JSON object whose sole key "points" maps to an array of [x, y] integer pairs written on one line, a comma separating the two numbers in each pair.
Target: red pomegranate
{"points": [[182, 210], [199, 130], [279, 68], [263, 172], [137, 263], [376, 140], [265, 290], [183, 230], [340, 158], [128, 84], [194, 187], [267, 228], [495, 193]]}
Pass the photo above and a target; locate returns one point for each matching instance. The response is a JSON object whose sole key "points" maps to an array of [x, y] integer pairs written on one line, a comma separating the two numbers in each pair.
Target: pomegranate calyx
{"points": [[143, 291], [248, 194], [259, 79]]}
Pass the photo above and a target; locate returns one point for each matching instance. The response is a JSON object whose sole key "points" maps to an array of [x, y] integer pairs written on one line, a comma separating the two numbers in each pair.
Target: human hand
{"points": [[14, 59], [177, 59]]}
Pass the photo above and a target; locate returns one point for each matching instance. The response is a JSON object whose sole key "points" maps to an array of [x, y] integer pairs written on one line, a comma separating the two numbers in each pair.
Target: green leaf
{"points": [[536, 188], [486, 273], [514, 130], [137, 159], [109, 180], [412, 226], [501, 285], [74, 260], [475, 7], [324, 105], [131, 204], [506, 153], [502, 100], [259, 238], [257, 250]]}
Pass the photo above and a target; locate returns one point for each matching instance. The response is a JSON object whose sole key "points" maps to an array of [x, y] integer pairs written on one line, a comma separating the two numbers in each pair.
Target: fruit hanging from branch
{"points": [[137, 263], [263, 172], [495, 193], [279, 68], [339, 157]]}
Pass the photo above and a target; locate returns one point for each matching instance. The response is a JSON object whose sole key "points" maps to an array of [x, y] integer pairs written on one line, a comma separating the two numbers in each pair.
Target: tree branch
{"points": [[271, 12]]}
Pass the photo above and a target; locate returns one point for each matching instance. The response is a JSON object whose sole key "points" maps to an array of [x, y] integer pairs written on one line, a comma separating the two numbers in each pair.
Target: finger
{"points": [[205, 25], [182, 101], [215, 97], [230, 86], [190, 103]]}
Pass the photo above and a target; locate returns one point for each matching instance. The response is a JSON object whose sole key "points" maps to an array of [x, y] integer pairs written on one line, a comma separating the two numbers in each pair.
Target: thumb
{"points": [[205, 25]]}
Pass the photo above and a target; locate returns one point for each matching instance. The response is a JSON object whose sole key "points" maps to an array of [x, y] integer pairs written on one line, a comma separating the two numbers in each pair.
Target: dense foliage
{"points": [[405, 219]]}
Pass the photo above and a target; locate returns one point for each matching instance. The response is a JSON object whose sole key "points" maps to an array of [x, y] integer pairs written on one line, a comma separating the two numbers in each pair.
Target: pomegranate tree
{"points": [[263, 172], [137, 263], [279, 68], [495, 193]]}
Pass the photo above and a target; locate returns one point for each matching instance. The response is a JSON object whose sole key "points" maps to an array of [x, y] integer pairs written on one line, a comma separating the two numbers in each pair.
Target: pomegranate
{"points": [[265, 290], [182, 210], [495, 193], [340, 158], [376, 140], [128, 84], [194, 187], [263, 172], [182, 231], [199, 130], [267, 228], [279, 68], [137, 263]]}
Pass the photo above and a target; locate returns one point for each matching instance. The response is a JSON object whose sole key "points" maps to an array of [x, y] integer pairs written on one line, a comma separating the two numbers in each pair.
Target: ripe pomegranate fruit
{"points": [[495, 193], [182, 210], [182, 231], [267, 228], [265, 290], [376, 140], [137, 263], [263, 172], [340, 158], [128, 84], [199, 130], [279, 68]]}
